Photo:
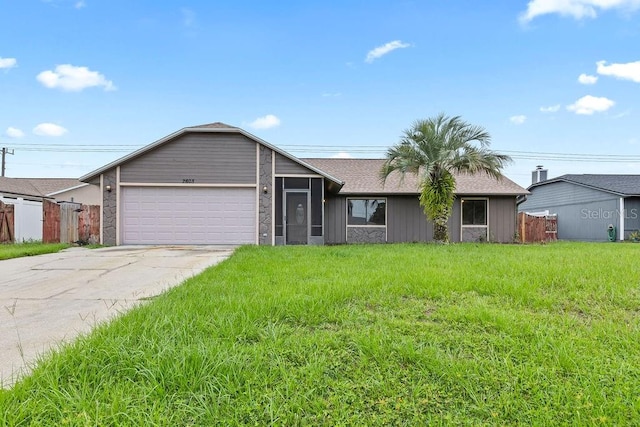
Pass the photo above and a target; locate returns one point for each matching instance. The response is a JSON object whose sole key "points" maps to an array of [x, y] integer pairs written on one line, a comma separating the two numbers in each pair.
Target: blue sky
{"points": [[555, 82]]}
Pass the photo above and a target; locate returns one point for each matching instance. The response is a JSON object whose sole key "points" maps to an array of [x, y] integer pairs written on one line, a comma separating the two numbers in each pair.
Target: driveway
{"points": [[49, 299]]}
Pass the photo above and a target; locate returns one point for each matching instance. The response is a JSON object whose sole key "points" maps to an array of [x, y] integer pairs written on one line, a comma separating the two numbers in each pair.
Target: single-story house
{"points": [[55, 189], [218, 184], [587, 205]]}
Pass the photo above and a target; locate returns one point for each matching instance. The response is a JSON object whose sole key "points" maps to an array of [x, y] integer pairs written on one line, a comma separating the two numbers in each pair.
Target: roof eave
{"points": [[570, 181]]}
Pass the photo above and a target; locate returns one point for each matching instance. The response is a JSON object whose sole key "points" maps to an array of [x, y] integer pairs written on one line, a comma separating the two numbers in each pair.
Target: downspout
{"points": [[622, 214]]}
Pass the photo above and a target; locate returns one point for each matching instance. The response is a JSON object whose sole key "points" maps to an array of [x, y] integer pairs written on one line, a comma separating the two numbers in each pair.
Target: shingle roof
{"points": [[625, 185], [36, 186], [361, 176]]}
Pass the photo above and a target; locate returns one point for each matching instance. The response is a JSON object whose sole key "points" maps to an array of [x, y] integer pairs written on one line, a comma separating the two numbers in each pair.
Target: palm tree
{"points": [[435, 149]]}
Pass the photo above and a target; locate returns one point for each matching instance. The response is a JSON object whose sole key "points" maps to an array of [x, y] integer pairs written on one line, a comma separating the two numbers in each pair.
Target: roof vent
{"points": [[539, 175]]}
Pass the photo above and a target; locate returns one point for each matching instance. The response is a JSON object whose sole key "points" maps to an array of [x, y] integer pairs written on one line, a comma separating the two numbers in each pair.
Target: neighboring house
{"points": [[218, 184], [27, 194], [587, 205]]}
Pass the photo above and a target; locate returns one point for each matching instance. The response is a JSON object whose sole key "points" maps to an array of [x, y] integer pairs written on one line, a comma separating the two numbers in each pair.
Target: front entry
{"points": [[296, 217]]}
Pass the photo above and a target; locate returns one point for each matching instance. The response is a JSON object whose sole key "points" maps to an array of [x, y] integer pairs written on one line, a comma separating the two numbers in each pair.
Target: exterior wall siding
{"points": [[583, 213], [406, 221], [203, 158], [87, 195], [502, 219], [335, 220], [265, 198], [561, 194], [285, 166], [587, 221], [109, 208], [455, 222]]}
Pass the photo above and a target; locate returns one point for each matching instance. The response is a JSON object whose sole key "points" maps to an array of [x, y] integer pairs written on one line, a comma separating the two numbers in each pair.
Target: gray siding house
{"points": [[218, 184], [587, 205]]}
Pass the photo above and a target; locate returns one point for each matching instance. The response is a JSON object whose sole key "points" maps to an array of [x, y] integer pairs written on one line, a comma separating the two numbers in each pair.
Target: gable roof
{"points": [[216, 127], [622, 185], [361, 176], [38, 187]]}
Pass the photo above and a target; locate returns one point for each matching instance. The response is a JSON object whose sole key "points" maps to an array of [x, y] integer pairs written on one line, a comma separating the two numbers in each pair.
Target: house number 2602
{"points": [[188, 181]]}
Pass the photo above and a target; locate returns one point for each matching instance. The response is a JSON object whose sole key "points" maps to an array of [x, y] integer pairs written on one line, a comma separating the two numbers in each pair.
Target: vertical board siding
{"points": [[285, 166], [406, 221], [335, 218], [200, 158], [502, 219], [455, 222]]}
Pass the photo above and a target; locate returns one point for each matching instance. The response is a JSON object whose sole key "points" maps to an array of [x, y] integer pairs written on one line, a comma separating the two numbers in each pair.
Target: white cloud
{"points": [[588, 105], [550, 109], [80, 4], [71, 78], [267, 122], [49, 129], [518, 120], [628, 71], [331, 94], [586, 79], [8, 62], [380, 51], [577, 9], [342, 155], [12, 132]]}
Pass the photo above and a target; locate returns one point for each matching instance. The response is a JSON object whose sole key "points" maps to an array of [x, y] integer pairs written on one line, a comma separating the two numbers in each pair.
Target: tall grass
{"points": [[17, 250], [363, 335]]}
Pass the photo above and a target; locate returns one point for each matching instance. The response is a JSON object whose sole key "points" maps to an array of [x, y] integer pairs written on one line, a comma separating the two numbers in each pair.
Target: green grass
{"points": [[17, 250], [363, 335]]}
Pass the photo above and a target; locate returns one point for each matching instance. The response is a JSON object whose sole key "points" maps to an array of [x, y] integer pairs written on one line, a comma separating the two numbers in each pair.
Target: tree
{"points": [[435, 150]]}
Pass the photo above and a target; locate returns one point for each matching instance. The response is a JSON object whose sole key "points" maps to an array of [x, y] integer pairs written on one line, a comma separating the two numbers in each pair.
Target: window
{"points": [[474, 212], [366, 212]]}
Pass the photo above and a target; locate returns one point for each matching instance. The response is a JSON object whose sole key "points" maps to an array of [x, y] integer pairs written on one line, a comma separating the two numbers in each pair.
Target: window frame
{"points": [[463, 225], [366, 225]]}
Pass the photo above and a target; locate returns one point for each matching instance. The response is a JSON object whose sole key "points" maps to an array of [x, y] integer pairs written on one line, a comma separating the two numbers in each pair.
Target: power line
{"points": [[326, 149]]}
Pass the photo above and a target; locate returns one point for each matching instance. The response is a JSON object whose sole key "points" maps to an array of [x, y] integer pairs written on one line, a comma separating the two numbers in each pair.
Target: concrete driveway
{"points": [[48, 299]]}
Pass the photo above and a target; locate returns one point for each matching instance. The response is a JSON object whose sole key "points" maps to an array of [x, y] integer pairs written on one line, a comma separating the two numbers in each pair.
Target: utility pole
{"points": [[5, 151]]}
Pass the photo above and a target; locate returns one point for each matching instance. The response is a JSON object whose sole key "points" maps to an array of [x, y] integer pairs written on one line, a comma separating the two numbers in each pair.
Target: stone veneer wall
{"points": [[109, 211], [366, 235], [474, 234], [265, 200]]}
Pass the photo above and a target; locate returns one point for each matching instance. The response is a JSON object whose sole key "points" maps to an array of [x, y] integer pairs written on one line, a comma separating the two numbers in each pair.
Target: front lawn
{"points": [[17, 250], [363, 335]]}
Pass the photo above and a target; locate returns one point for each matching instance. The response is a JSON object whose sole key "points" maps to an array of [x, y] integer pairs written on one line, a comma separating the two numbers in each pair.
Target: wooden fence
{"points": [[537, 228], [7, 222], [67, 222]]}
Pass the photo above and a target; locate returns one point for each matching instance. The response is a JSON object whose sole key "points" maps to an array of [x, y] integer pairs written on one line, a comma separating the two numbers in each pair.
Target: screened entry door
{"points": [[296, 217]]}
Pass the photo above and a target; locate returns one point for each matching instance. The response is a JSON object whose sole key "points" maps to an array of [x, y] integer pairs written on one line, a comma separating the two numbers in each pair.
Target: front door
{"points": [[296, 217]]}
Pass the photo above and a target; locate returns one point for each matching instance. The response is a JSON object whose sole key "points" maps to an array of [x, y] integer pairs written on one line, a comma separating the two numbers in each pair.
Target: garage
{"points": [[187, 215]]}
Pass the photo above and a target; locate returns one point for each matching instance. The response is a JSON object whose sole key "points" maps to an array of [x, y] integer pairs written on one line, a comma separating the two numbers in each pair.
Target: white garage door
{"points": [[197, 216]]}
